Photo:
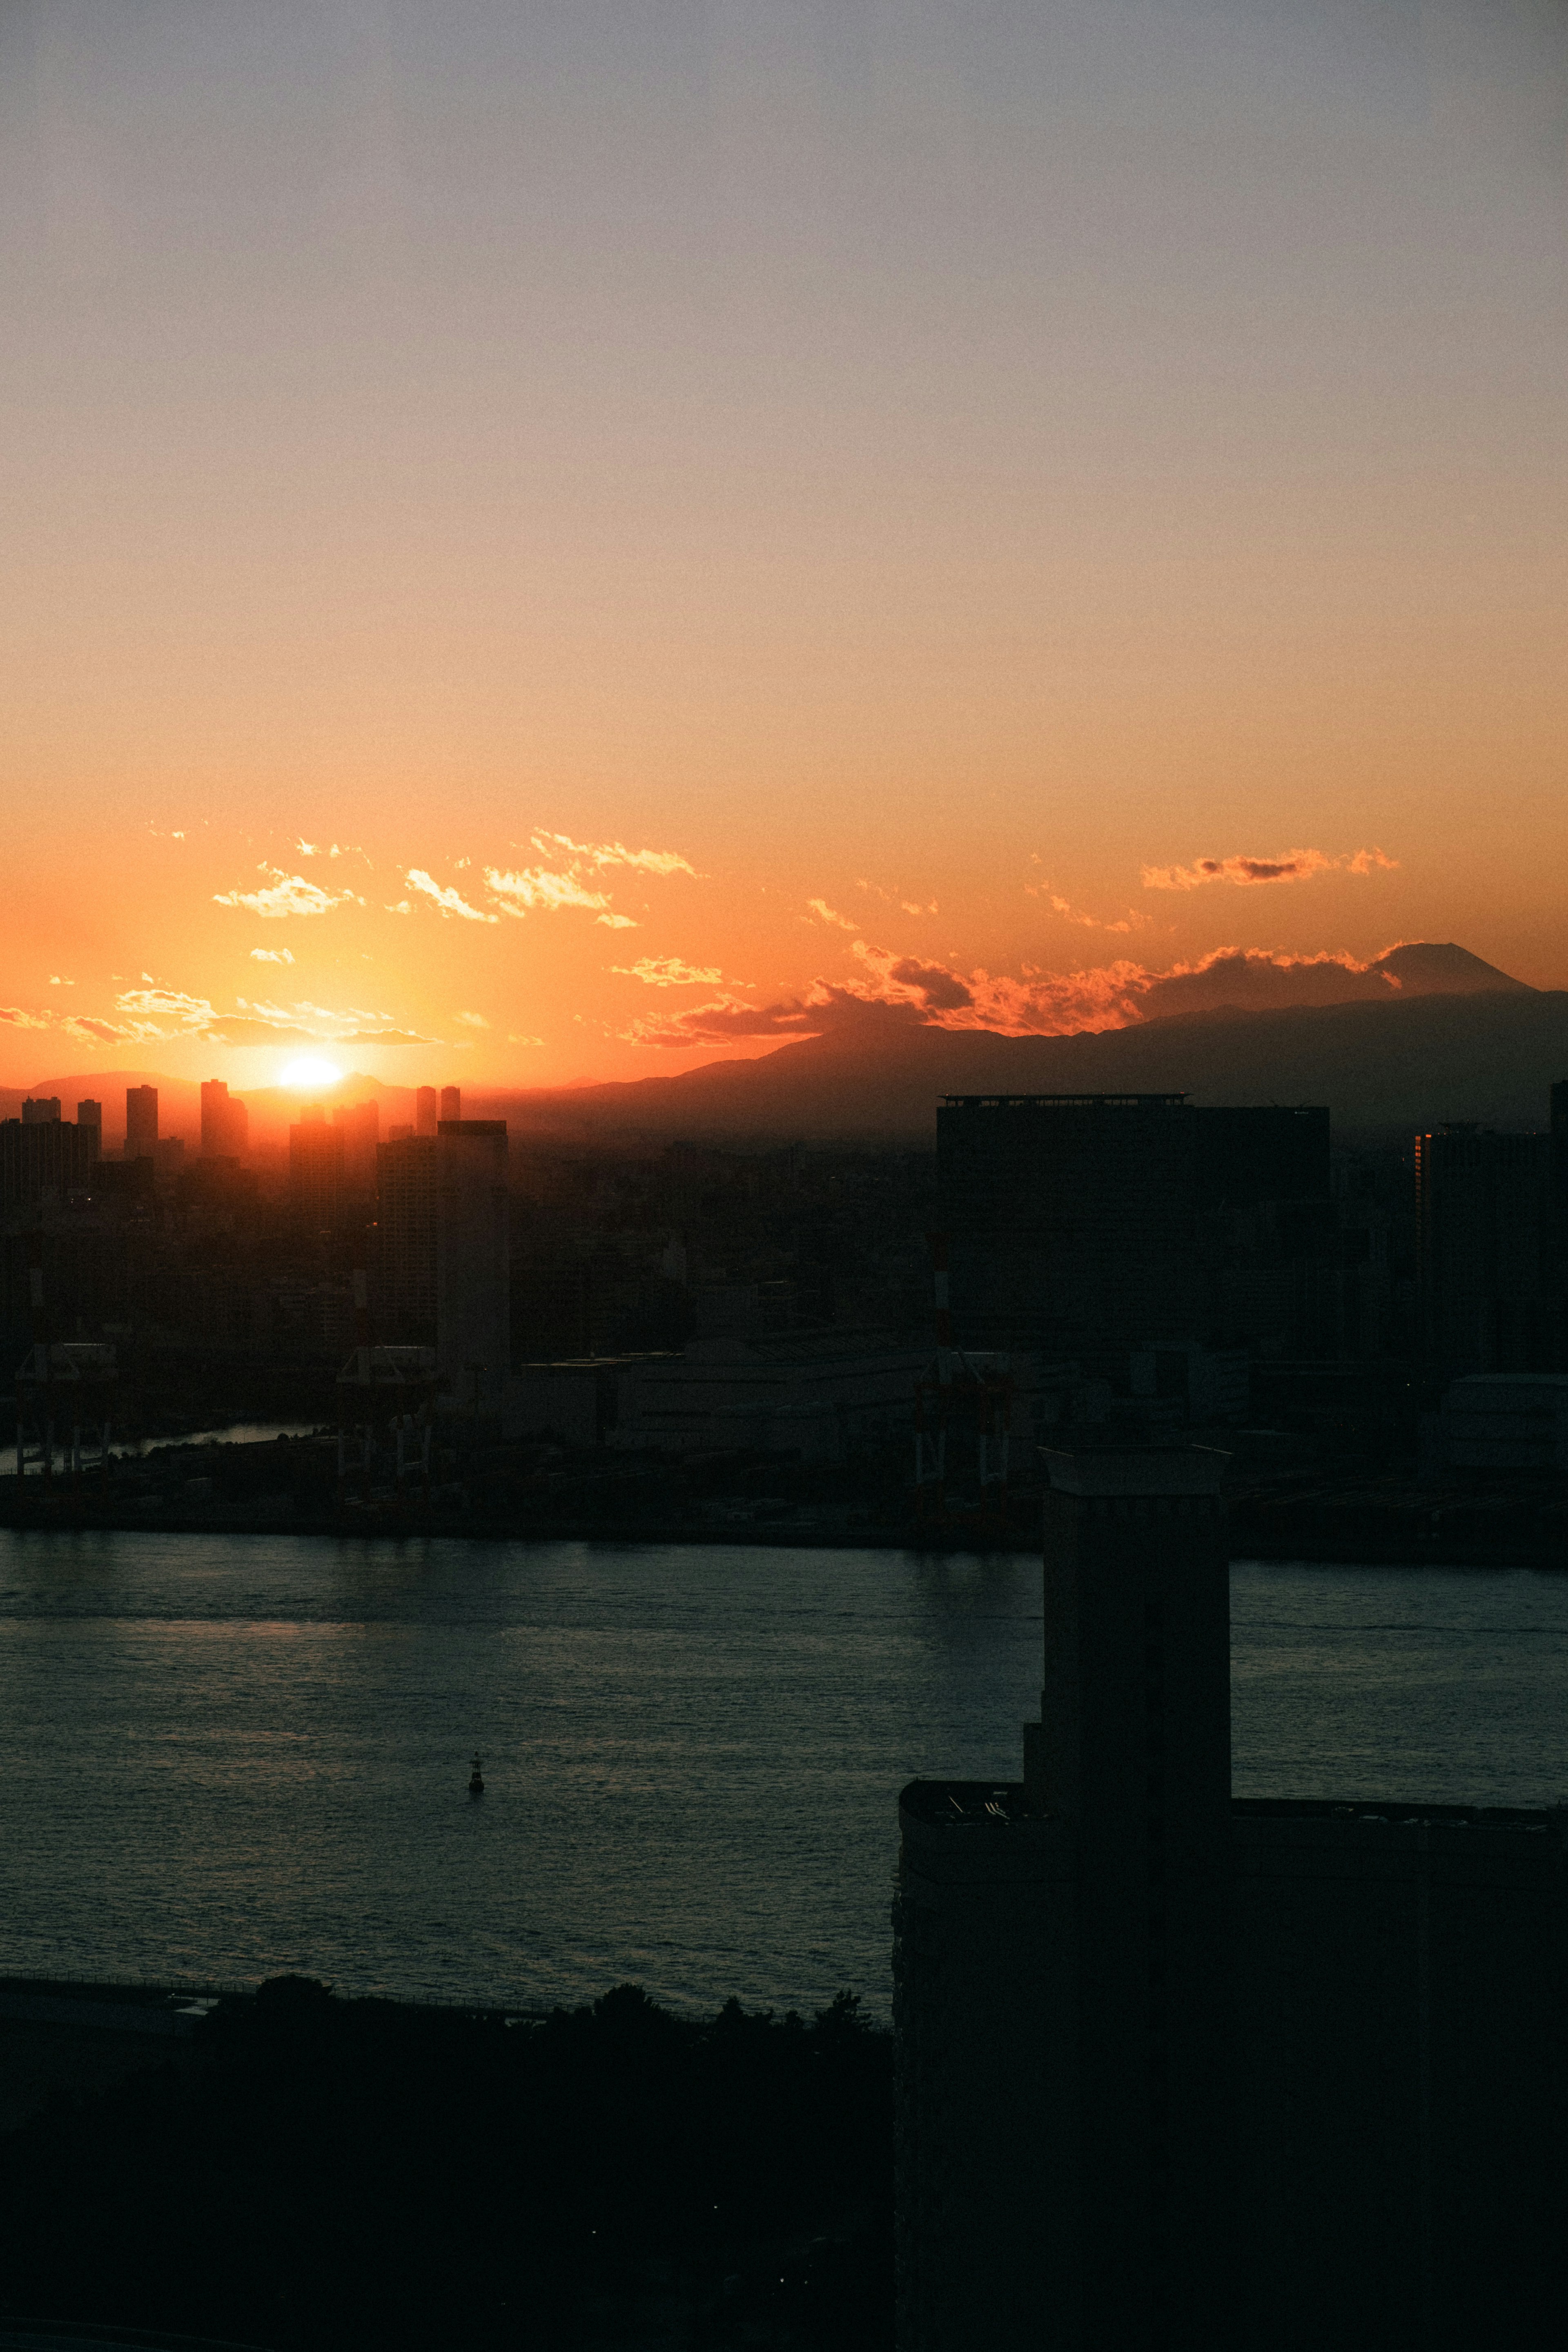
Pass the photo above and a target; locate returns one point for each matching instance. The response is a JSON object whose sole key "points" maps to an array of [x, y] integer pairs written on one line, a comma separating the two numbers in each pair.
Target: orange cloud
{"points": [[450, 902], [1294, 866], [669, 971], [615, 853], [290, 894]]}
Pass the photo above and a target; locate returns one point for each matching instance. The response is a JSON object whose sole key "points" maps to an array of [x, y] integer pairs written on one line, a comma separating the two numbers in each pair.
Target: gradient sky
{"points": [[708, 504]]}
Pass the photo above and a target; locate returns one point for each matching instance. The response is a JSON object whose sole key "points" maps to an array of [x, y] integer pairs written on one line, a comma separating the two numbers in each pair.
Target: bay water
{"points": [[224, 1756]]}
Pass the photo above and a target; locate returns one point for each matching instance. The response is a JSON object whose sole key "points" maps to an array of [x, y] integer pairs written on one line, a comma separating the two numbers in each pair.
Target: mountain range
{"points": [[1430, 1033]]}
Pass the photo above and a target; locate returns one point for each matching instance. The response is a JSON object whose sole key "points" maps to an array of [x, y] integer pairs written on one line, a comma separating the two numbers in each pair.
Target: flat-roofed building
{"points": [[225, 1122], [315, 1168], [1083, 1226], [1179, 2071], [473, 1276], [406, 1247], [141, 1122]]}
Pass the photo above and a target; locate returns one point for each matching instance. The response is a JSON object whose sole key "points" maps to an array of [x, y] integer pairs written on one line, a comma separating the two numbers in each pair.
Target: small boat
{"points": [[476, 1780]]}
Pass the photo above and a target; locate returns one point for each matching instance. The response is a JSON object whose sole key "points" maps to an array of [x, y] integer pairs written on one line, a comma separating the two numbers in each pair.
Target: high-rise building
{"points": [[225, 1122], [41, 1111], [1483, 1240], [451, 1102], [405, 1241], [361, 1124], [315, 1168], [473, 1297], [44, 1160], [141, 1122], [426, 1111], [1083, 1226], [1175, 2070], [89, 1117]]}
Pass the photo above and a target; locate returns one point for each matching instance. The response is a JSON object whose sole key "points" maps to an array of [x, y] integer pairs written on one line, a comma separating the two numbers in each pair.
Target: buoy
{"points": [[476, 1780]]}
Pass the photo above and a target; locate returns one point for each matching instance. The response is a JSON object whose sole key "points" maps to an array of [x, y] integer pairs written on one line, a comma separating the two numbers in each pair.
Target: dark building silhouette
{"points": [[473, 1293], [315, 1168], [89, 1115], [1176, 2070], [41, 1111], [451, 1102], [405, 1241], [141, 1122], [225, 1122], [1086, 1225], [44, 1160], [361, 1124], [426, 1111], [1483, 1217]]}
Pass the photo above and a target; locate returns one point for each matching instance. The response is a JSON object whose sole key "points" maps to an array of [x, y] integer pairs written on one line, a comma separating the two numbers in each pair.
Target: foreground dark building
{"points": [[1180, 2071]]}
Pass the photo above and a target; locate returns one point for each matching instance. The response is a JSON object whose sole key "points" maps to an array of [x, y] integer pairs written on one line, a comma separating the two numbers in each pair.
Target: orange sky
{"points": [[749, 503]]}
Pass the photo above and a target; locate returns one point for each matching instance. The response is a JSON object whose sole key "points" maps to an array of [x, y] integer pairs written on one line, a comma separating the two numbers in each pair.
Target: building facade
{"points": [[473, 1272], [141, 1122], [1085, 1226], [1179, 2071]]}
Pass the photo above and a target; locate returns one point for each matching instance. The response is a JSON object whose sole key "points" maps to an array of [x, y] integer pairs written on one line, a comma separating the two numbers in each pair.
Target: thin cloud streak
{"points": [[1293, 866]]}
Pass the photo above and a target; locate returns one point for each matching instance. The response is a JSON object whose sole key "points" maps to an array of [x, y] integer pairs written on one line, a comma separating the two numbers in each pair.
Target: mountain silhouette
{"points": [[1425, 1032]]}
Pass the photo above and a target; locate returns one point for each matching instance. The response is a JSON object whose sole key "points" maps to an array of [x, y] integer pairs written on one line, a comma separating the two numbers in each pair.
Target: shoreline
{"points": [[1425, 1536]]}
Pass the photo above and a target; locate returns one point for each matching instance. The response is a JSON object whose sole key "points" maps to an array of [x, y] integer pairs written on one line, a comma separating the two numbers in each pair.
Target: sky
{"points": [[554, 539]]}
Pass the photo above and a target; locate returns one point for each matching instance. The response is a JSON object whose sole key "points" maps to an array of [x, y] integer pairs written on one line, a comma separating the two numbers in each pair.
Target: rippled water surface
{"points": [[225, 1756]]}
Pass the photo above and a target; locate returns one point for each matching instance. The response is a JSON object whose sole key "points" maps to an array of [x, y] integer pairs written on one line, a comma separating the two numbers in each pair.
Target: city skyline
{"points": [[593, 544]]}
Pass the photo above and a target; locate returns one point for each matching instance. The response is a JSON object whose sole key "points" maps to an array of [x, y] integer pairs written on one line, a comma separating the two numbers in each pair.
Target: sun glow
{"points": [[310, 1071]]}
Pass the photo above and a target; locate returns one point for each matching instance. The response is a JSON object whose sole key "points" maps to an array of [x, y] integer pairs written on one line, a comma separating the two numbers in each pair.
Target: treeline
{"points": [[354, 2173]]}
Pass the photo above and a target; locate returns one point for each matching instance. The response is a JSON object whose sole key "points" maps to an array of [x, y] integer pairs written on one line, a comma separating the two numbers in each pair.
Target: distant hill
{"points": [[1384, 1068], [1428, 1033]]}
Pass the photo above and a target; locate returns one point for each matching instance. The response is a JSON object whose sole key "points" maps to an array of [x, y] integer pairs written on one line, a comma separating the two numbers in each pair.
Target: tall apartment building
{"points": [[315, 1168], [41, 1111], [1182, 2074], [405, 1241], [1484, 1249], [473, 1282], [1083, 1226], [361, 1124], [43, 1160], [451, 1102], [90, 1116], [225, 1122], [141, 1122], [426, 1111]]}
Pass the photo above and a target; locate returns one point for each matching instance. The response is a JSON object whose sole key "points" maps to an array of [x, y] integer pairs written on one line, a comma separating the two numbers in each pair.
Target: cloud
{"points": [[669, 972], [513, 1040], [618, 922], [1293, 866], [384, 1037], [271, 955], [57, 981], [600, 854], [92, 1031], [1071, 914], [941, 990], [450, 902], [471, 1020], [825, 913], [20, 1020], [537, 886], [167, 1005], [291, 894]]}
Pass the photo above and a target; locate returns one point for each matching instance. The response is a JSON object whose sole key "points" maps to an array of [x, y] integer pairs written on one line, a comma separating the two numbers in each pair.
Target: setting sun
{"points": [[310, 1071]]}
